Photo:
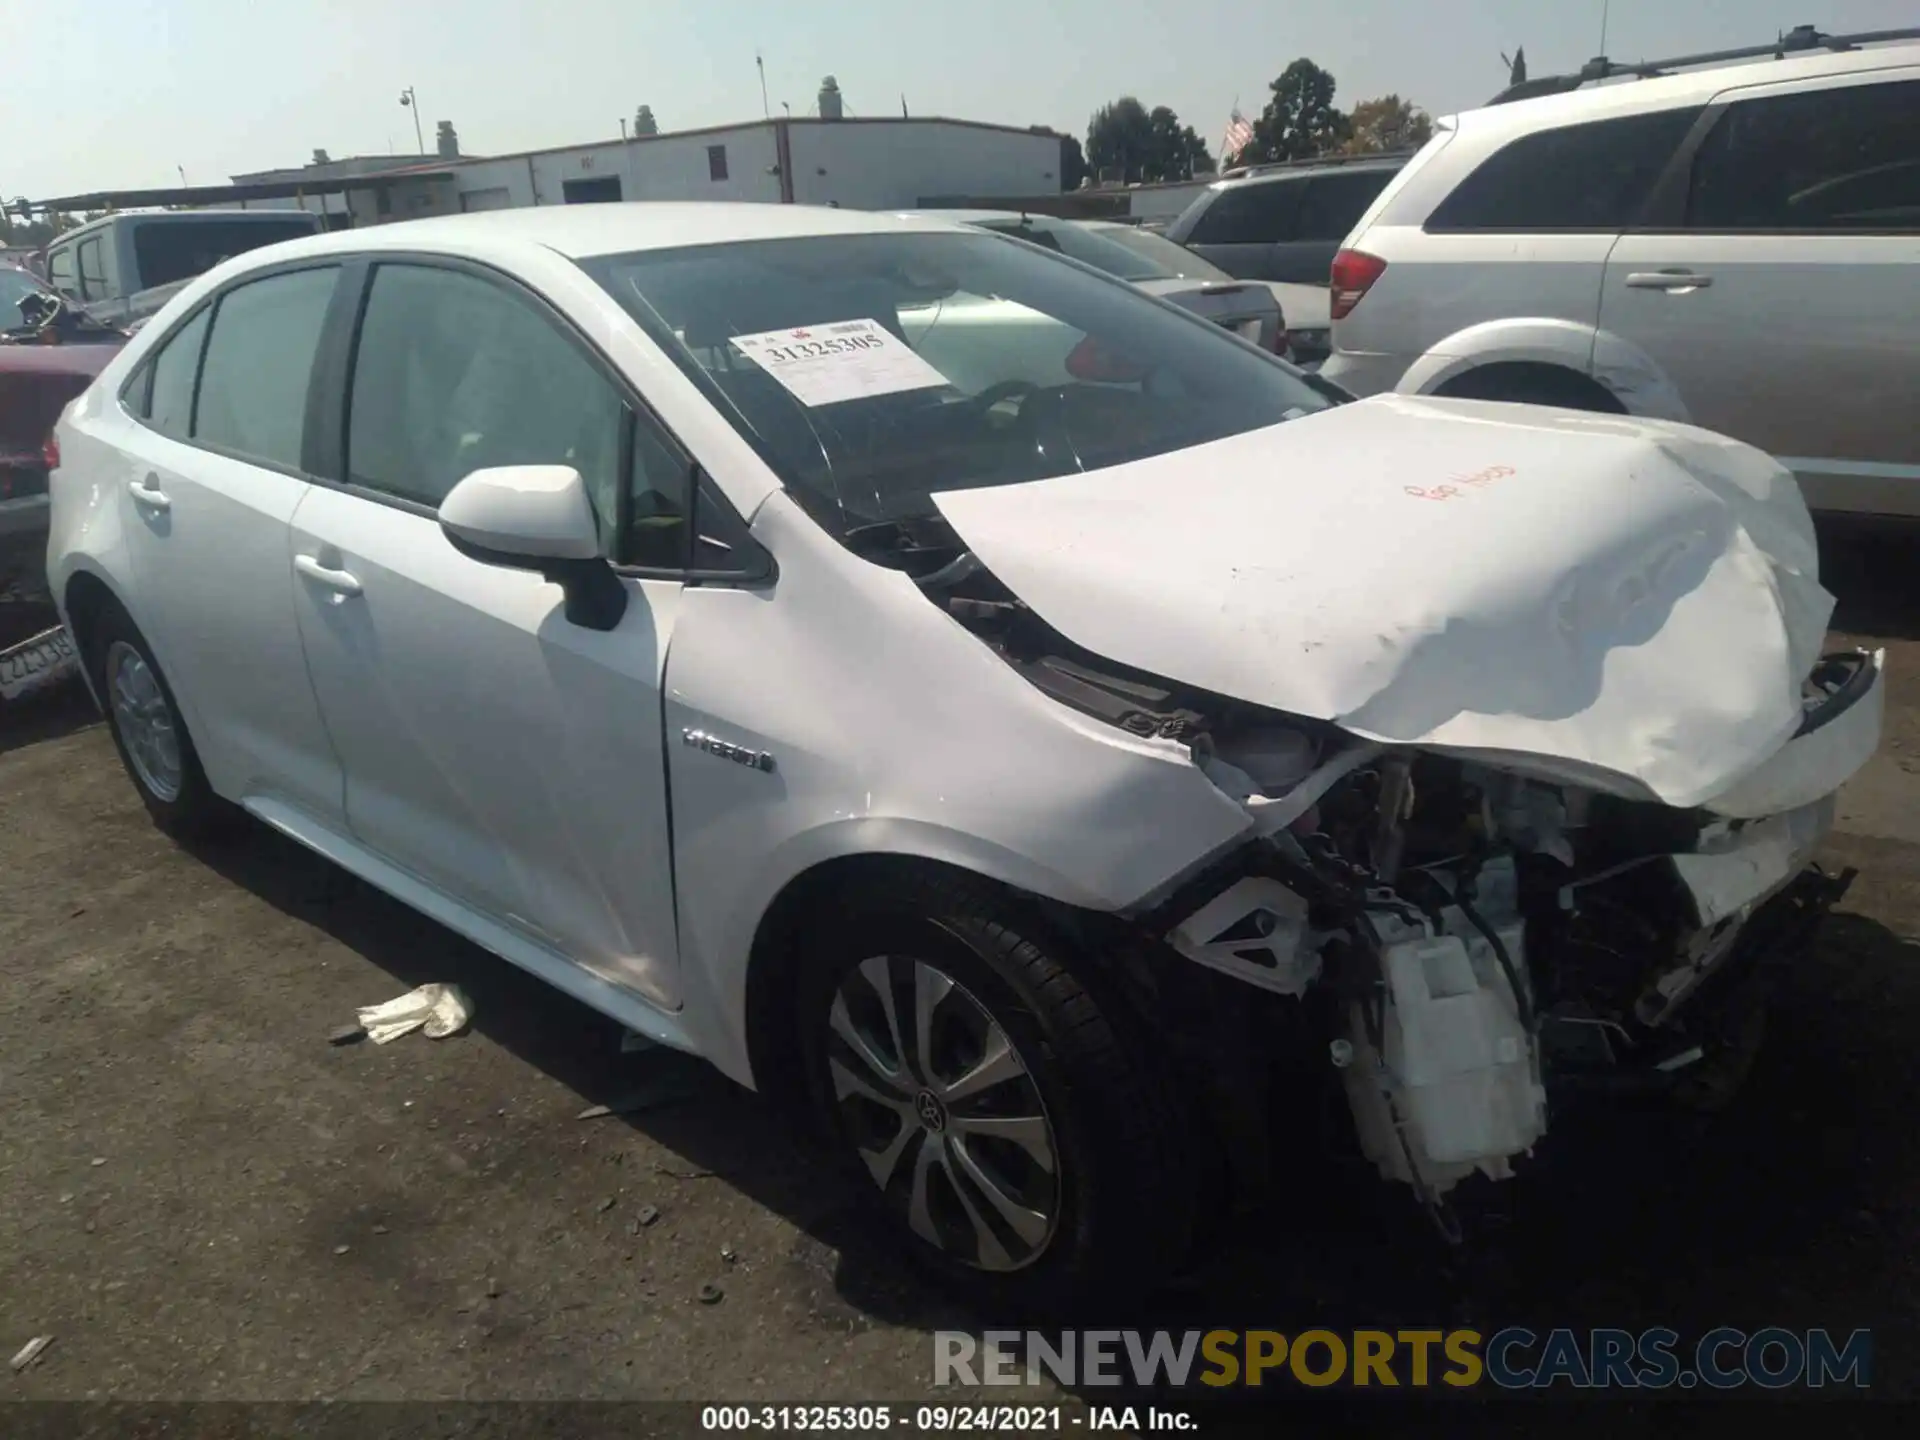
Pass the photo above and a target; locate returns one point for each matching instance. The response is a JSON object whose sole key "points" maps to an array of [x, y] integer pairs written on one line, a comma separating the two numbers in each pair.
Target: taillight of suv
{"points": [[1354, 272]]}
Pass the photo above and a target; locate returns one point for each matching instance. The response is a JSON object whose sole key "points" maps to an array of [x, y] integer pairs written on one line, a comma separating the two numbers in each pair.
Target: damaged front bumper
{"points": [[1702, 1061], [1549, 943]]}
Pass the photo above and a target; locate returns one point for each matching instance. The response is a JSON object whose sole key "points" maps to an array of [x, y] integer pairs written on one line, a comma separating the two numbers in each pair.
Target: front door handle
{"points": [[341, 582], [148, 492], [1673, 281]]}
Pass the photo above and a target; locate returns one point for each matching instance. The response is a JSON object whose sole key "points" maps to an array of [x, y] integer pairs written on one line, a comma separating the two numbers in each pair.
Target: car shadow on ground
{"points": [[46, 715], [725, 1133], [1780, 1210]]}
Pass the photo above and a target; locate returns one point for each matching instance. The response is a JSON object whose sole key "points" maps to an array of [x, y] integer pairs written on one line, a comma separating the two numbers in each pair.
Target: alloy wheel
{"points": [[943, 1112], [144, 721]]}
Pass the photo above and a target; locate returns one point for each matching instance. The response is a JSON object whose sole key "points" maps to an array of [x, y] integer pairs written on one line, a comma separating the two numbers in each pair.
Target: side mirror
{"points": [[537, 517]]}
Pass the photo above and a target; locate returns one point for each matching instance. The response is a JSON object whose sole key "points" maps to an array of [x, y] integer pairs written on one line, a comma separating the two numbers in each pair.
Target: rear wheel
{"points": [[982, 1095], [148, 730]]}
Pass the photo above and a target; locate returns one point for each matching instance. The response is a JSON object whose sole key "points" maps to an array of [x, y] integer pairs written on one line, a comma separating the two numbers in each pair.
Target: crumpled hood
{"points": [[1635, 601]]}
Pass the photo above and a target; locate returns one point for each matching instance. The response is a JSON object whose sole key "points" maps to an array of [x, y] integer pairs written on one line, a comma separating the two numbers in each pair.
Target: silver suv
{"points": [[1738, 246], [1282, 222]]}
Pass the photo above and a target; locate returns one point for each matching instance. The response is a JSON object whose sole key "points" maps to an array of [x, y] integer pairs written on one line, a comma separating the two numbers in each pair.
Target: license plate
{"points": [[36, 663], [1249, 330]]}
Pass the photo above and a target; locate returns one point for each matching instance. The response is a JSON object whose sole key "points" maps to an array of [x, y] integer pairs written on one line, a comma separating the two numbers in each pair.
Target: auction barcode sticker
{"points": [[847, 360]]}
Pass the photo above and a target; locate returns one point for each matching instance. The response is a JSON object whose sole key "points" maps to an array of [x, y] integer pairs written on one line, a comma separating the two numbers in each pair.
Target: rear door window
{"points": [[1250, 215], [1593, 177], [259, 360], [1333, 204], [1845, 159]]}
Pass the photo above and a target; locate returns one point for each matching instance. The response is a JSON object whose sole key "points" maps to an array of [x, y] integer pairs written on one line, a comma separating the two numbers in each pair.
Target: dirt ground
{"points": [[201, 1198]]}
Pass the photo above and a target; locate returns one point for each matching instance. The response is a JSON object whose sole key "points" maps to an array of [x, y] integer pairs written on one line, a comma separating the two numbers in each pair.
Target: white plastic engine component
{"points": [[1255, 930], [1453, 1084]]}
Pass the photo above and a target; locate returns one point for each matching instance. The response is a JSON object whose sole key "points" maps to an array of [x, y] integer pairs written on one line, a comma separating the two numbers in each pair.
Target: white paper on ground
{"points": [[441, 1009], [846, 360], [1636, 601]]}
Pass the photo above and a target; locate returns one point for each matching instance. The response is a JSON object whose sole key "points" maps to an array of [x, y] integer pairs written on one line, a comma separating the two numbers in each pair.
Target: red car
{"points": [[49, 352]]}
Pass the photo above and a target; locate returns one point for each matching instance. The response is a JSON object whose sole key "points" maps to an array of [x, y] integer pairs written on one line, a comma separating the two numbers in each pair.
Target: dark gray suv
{"points": [[1283, 222]]}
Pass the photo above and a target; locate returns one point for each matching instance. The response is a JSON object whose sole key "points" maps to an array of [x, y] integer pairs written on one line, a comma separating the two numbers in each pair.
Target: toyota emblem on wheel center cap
{"points": [[932, 1113]]}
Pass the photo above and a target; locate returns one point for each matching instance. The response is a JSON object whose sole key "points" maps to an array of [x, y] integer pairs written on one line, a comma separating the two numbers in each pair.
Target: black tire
{"points": [[1128, 1177], [1533, 385], [189, 810]]}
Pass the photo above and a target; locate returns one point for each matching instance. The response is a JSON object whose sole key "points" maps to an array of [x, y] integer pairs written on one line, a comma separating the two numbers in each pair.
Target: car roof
{"points": [[581, 231], [1629, 96], [1304, 169], [175, 217]]}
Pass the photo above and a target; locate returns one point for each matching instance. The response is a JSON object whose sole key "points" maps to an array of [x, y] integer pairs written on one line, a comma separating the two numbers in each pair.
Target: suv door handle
{"points": [[1669, 280], [148, 492], [342, 582]]}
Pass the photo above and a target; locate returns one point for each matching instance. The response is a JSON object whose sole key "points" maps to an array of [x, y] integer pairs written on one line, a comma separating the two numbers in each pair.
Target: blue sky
{"points": [[106, 93]]}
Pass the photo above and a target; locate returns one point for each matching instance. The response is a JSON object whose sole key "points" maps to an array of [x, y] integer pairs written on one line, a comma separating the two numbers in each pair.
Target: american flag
{"points": [[1239, 135]]}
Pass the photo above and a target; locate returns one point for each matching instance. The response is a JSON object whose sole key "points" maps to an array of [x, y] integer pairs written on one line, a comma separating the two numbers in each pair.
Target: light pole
{"points": [[408, 99]]}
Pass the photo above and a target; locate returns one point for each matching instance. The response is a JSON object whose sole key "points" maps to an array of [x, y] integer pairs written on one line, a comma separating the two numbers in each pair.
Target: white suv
{"points": [[1013, 744], [1736, 246]]}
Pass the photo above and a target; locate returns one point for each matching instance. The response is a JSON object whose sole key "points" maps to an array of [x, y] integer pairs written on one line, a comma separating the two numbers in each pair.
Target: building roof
{"points": [[329, 181], [211, 195], [580, 231]]}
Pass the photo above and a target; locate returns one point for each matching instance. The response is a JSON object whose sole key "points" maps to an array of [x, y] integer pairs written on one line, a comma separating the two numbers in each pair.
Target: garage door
{"points": [[494, 199]]}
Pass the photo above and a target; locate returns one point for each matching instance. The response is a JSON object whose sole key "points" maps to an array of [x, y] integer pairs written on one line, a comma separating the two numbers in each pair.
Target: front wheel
{"points": [[986, 1096]]}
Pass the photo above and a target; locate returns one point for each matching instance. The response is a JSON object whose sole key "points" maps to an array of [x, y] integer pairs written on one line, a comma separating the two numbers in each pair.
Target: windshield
{"points": [[1089, 247], [1171, 258], [888, 367], [15, 286]]}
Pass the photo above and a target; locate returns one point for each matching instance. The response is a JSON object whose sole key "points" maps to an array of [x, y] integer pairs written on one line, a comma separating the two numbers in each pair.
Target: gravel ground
{"points": [[200, 1198]]}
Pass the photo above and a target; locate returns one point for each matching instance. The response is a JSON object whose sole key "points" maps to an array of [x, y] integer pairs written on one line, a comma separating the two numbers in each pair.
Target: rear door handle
{"points": [[148, 492], [1668, 280], [341, 582]]}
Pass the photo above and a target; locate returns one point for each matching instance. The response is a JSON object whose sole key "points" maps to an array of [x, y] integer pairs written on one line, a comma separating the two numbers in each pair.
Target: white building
{"points": [[857, 163]]}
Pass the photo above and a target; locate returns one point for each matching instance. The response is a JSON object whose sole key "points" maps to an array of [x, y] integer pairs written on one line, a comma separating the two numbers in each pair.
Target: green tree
{"points": [[644, 123], [1128, 142], [1299, 121], [1120, 140], [1176, 151], [1388, 123], [1073, 162]]}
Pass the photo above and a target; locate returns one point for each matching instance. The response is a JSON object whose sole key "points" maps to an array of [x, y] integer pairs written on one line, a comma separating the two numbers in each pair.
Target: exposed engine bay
{"points": [[1487, 937]]}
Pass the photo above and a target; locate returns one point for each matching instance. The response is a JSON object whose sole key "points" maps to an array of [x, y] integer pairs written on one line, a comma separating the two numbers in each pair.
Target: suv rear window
{"points": [[1249, 214], [1840, 159], [1592, 177], [1334, 204], [170, 250]]}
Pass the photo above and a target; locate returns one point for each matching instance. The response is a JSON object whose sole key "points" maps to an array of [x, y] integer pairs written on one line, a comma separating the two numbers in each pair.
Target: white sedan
{"points": [[1009, 772]]}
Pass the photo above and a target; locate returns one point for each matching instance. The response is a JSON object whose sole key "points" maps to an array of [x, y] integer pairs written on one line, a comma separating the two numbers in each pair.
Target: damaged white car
{"points": [[1022, 745]]}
